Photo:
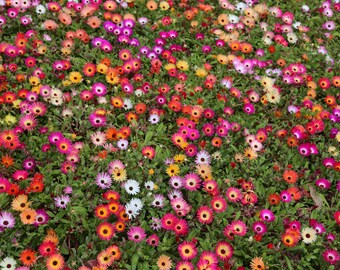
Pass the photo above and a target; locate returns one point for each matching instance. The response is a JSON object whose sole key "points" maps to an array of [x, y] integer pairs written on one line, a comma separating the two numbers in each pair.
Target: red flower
{"points": [[271, 49]]}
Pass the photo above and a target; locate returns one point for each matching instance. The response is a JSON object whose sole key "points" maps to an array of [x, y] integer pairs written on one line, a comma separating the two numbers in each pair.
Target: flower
{"points": [[61, 201], [205, 215], [103, 180], [8, 263], [331, 256], [136, 234], [132, 187], [187, 250], [257, 264], [7, 220], [28, 257], [309, 235], [164, 262], [105, 231], [55, 262], [20, 203]]}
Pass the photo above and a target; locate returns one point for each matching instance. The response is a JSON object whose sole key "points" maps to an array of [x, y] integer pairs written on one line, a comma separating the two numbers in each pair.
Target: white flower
{"points": [[132, 187], [292, 38], [154, 118], [137, 203], [40, 9], [131, 210], [241, 6], [309, 235], [102, 100], [202, 157], [139, 93], [149, 185], [8, 263], [127, 104], [233, 18], [267, 41], [305, 8]]}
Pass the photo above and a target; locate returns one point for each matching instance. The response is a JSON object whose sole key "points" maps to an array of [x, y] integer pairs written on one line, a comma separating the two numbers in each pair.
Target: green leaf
{"points": [[134, 261]]}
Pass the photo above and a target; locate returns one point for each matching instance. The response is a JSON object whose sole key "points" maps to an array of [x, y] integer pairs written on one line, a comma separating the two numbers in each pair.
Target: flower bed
{"points": [[169, 135]]}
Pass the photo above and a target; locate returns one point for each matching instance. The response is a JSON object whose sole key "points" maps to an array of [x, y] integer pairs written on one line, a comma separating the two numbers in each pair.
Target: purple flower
{"points": [[41, 218], [267, 215], [7, 220], [323, 183], [61, 201], [249, 108], [304, 149], [103, 180], [136, 234], [285, 196]]}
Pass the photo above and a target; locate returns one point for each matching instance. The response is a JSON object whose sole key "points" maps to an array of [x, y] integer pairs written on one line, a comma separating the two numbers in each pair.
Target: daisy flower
{"points": [[61, 201], [103, 180], [331, 256], [202, 157], [309, 235], [122, 144], [8, 263], [7, 220], [164, 262], [136, 234], [132, 187], [158, 201], [187, 250], [224, 251]]}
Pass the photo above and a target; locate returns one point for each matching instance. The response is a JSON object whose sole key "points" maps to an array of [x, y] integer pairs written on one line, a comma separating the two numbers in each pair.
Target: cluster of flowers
{"points": [[85, 84]]}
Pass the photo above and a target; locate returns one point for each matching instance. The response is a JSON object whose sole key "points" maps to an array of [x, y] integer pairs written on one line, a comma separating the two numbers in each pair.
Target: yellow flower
{"points": [[10, 119], [155, 187], [169, 66], [36, 89], [102, 68], [34, 80], [179, 158], [182, 65], [75, 77], [222, 59], [65, 51], [250, 153], [201, 72], [164, 5], [173, 170], [151, 171], [267, 82], [66, 82], [16, 103], [337, 137], [42, 49], [20, 203], [112, 79]]}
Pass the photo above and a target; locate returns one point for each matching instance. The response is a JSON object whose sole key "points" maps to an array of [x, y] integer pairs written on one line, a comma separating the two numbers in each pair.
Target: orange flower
{"points": [[65, 18], [295, 193], [217, 142], [292, 141], [140, 108], [274, 199], [94, 22], [28, 216], [290, 176], [7, 161], [151, 5], [246, 48], [281, 62], [50, 25], [116, 18], [111, 134], [28, 257]]}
